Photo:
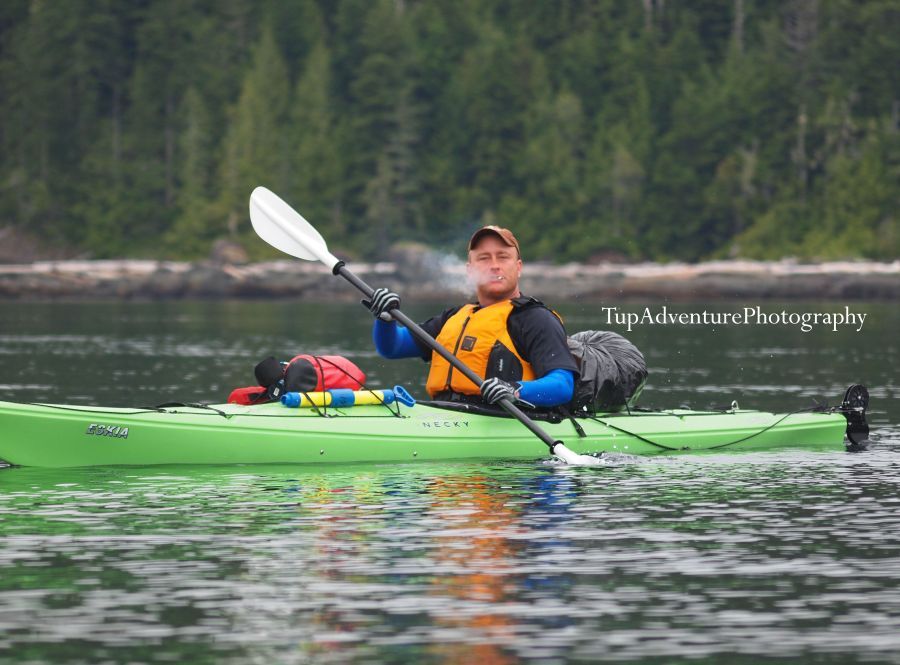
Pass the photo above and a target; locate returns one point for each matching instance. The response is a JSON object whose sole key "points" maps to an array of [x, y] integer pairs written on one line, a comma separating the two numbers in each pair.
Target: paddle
{"points": [[285, 229]]}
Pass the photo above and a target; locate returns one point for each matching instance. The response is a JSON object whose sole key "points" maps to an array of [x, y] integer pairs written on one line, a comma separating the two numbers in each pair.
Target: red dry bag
{"points": [[305, 373]]}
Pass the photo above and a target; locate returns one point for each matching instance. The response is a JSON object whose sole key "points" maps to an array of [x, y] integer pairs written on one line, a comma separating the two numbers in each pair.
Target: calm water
{"points": [[778, 557]]}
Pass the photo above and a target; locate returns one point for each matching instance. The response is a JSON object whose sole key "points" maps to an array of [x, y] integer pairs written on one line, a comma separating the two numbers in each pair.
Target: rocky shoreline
{"points": [[435, 277]]}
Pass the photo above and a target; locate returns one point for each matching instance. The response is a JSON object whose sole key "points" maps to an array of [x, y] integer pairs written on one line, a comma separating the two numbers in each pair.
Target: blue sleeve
{"points": [[393, 341], [554, 388]]}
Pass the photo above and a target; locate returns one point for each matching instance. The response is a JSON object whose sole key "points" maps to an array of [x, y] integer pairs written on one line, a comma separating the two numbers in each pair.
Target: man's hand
{"points": [[493, 390], [381, 304]]}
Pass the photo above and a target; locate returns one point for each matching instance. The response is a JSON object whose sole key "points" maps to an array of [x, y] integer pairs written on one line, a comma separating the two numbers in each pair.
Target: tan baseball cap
{"points": [[505, 235]]}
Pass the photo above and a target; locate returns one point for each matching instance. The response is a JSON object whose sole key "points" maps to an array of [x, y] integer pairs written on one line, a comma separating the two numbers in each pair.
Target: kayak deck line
{"points": [[338, 412], [719, 446]]}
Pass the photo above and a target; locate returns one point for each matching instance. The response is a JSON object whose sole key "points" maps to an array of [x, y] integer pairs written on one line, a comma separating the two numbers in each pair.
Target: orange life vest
{"points": [[471, 335]]}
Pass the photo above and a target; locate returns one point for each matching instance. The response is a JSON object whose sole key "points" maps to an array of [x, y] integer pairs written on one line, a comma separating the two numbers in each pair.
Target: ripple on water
{"points": [[792, 555]]}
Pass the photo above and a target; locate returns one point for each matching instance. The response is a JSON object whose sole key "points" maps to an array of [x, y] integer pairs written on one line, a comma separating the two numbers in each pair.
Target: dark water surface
{"points": [[777, 557]]}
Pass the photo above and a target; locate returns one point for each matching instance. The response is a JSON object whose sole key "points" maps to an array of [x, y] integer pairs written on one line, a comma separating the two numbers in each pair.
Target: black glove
{"points": [[493, 390], [381, 303]]}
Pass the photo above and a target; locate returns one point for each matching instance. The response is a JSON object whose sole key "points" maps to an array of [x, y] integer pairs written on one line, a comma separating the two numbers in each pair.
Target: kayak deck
{"points": [[68, 436]]}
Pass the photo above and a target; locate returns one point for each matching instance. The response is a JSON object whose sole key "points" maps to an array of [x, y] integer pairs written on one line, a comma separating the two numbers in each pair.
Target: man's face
{"points": [[495, 268]]}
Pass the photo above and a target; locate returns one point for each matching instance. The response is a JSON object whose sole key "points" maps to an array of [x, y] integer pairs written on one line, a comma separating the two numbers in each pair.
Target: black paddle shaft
{"points": [[415, 329]]}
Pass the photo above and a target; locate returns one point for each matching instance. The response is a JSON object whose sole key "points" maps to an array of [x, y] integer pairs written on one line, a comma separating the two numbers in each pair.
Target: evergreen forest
{"points": [[628, 129]]}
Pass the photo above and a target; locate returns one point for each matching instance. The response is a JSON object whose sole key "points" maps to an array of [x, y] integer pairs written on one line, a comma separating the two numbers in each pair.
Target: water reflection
{"points": [[791, 556]]}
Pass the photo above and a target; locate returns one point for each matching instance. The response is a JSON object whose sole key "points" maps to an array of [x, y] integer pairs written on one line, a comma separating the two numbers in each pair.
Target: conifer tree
{"points": [[551, 173], [385, 128], [256, 145], [193, 228], [316, 166], [483, 119]]}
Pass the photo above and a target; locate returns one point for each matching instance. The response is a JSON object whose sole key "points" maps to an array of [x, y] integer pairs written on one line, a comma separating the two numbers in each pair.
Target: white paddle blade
{"points": [[285, 229], [571, 457]]}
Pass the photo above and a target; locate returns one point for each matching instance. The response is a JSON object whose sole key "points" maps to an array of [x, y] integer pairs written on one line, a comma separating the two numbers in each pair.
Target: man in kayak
{"points": [[514, 342]]}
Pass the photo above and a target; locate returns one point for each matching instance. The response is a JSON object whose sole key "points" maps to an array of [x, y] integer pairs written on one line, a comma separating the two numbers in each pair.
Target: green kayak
{"points": [[47, 435]]}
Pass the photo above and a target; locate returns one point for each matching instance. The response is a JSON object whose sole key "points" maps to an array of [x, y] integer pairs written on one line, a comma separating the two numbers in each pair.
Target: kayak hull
{"points": [[71, 436]]}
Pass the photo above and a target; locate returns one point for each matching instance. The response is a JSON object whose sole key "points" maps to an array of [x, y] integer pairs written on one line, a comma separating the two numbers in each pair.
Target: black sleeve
{"points": [[540, 338], [433, 327]]}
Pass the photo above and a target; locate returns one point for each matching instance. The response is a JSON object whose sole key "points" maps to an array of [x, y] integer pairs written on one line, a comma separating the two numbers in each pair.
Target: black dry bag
{"points": [[612, 371]]}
